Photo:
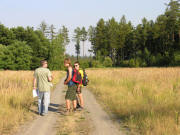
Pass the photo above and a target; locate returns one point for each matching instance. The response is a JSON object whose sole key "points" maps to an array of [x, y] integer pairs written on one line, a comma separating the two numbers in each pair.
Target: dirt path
{"points": [[46, 125], [100, 122]]}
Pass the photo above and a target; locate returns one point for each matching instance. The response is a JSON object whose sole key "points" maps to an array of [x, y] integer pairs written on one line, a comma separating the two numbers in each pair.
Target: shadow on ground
{"points": [[56, 108]]}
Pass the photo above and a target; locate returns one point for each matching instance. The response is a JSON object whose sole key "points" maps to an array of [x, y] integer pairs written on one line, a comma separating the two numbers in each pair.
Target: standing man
{"points": [[42, 79]]}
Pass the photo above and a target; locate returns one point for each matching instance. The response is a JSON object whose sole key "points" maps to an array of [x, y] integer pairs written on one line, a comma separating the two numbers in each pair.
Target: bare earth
{"points": [[99, 121]]}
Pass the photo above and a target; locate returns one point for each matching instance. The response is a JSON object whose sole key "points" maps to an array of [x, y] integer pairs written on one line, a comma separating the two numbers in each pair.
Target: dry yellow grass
{"points": [[147, 100], [16, 98]]}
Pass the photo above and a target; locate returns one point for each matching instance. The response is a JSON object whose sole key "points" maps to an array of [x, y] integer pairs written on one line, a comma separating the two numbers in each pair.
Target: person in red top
{"points": [[77, 78]]}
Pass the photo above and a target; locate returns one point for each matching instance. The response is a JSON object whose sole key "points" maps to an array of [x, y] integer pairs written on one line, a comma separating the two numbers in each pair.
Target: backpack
{"points": [[76, 78], [85, 78]]}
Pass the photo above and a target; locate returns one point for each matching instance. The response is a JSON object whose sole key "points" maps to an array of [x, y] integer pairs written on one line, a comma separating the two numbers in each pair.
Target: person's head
{"points": [[67, 62], [76, 65], [44, 63]]}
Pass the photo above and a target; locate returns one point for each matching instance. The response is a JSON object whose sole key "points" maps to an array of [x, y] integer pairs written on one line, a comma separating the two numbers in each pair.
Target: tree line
{"points": [[24, 48], [114, 43], [151, 43]]}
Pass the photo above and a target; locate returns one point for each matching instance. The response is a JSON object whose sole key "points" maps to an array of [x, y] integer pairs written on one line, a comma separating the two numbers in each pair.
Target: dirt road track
{"points": [[46, 125]]}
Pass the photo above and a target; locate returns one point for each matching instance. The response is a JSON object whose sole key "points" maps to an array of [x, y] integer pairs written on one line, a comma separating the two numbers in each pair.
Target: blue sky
{"points": [[73, 13]]}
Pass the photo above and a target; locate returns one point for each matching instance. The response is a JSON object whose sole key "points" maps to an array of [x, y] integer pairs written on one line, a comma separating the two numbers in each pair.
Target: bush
{"points": [[125, 63], [132, 63], [107, 62], [135, 63], [96, 64], [152, 61], [84, 64], [163, 60]]}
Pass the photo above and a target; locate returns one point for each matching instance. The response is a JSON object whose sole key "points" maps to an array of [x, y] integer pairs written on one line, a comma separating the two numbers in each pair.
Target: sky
{"points": [[74, 13]]}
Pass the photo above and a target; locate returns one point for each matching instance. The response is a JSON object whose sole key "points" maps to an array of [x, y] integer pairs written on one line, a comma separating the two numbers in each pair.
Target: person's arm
{"points": [[35, 80], [78, 87], [50, 77], [34, 83], [70, 75]]}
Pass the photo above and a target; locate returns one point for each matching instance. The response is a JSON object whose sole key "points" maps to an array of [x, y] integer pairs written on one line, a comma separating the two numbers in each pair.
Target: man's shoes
{"points": [[43, 114], [80, 108]]}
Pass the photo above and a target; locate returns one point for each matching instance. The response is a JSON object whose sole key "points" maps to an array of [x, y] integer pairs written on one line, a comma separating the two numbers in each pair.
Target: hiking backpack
{"points": [[85, 78], [76, 77]]}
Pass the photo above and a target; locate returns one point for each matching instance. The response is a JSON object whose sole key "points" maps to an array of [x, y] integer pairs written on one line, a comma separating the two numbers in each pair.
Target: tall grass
{"points": [[16, 98], [147, 100]]}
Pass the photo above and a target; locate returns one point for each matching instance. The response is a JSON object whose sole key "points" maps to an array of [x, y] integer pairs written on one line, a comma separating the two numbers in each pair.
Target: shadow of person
{"points": [[54, 105], [57, 108], [33, 111]]}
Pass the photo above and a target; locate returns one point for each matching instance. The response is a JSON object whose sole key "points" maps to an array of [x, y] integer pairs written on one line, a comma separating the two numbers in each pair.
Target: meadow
{"points": [[16, 98], [145, 100]]}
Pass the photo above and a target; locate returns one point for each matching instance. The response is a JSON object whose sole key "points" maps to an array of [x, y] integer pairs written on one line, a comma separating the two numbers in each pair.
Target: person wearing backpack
{"points": [[71, 92], [78, 78]]}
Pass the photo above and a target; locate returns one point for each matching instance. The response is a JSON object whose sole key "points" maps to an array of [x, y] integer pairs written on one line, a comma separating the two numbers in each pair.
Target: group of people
{"points": [[42, 84]]}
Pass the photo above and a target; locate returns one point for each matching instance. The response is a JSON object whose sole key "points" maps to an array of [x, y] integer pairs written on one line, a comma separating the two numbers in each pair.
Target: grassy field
{"points": [[16, 98], [146, 100]]}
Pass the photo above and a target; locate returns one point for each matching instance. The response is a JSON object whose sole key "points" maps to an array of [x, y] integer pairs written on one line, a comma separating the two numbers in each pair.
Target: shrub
{"points": [[107, 62], [132, 63], [152, 61], [84, 64], [125, 63], [135, 63], [96, 64]]}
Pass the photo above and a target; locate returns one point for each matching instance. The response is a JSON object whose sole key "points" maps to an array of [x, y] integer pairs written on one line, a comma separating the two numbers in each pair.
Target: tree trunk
{"points": [[121, 55], [173, 37], [77, 57], [83, 48]]}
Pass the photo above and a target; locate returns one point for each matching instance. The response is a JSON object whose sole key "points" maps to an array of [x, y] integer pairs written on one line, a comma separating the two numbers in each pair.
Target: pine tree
{"points": [[64, 32], [77, 39], [52, 32], [43, 27], [83, 37]]}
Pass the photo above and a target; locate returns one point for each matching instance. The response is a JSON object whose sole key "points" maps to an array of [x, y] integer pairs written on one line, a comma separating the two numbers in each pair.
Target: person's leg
{"points": [[40, 102], [46, 101], [74, 97], [71, 96], [77, 100], [81, 100], [74, 104], [68, 104], [49, 98]]}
